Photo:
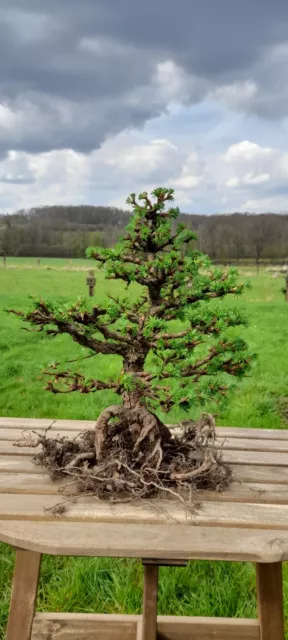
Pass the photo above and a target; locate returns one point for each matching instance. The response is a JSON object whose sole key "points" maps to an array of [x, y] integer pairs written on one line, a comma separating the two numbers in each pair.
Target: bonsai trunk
{"points": [[143, 429]]}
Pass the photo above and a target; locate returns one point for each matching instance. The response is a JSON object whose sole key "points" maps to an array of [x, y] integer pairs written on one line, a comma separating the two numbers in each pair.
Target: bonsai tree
{"points": [[176, 351]]}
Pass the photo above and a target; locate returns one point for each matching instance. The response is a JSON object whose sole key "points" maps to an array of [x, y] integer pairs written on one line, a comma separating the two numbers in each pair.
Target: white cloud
{"points": [[28, 180], [246, 151], [253, 165], [174, 85], [124, 162], [247, 180], [142, 159], [245, 177], [192, 174], [266, 205]]}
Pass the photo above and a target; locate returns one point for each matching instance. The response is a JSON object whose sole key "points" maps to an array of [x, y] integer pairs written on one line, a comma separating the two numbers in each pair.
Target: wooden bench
{"points": [[247, 522]]}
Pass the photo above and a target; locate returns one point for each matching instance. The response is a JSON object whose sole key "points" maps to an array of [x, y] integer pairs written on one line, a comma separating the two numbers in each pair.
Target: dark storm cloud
{"points": [[86, 67]]}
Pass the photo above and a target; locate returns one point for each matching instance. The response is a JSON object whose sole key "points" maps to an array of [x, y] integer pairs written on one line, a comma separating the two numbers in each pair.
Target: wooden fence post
{"points": [[91, 281]]}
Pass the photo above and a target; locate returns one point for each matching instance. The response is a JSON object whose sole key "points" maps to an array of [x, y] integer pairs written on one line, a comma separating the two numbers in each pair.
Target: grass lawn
{"points": [[103, 585]]}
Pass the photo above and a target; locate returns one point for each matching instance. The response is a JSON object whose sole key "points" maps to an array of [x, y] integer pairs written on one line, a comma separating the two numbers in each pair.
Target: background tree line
{"points": [[66, 231]]}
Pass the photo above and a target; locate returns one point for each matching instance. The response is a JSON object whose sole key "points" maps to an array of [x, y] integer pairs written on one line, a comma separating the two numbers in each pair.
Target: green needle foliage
{"points": [[187, 368]]}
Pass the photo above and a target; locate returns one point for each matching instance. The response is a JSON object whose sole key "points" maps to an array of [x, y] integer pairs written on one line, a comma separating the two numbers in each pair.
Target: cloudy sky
{"points": [[99, 98]]}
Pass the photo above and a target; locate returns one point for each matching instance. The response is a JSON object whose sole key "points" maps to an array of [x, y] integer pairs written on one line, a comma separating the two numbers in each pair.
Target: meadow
{"points": [[261, 400]]}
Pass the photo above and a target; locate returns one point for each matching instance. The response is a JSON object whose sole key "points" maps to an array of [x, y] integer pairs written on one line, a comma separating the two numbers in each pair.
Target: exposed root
{"points": [[81, 457], [132, 455]]}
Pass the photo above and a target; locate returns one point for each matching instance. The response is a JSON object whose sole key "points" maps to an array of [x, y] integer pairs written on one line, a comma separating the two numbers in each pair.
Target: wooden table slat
{"points": [[80, 425], [26, 423], [258, 474], [243, 472], [230, 456], [23, 483], [8, 442], [87, 509], [77, 626], [138, 541], [254, 433]]}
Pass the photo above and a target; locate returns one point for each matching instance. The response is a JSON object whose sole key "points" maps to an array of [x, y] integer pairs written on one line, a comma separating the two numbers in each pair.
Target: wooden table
{"points": [[248, 522]]}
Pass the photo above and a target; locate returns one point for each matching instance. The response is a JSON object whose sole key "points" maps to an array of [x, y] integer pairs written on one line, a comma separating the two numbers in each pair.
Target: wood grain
{"points": [[242, 472], [166, 512], [270, 601], [14, 434], [255, 458], [249, 444], [84, 627], [8, 443], [248, 432], [59, 626], [23, 598], [233, 457], [27, 483], [259, 474], [79, 425], [150, 596], [26, 423], [18, 464], [249, 492], [138, 541]]}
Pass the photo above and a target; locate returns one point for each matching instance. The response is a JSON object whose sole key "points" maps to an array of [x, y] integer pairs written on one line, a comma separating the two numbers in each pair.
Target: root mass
{"points": [[131, 455]]}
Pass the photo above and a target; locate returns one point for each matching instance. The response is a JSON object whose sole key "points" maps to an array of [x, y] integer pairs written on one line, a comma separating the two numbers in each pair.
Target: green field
{"points": [[103, 585]]}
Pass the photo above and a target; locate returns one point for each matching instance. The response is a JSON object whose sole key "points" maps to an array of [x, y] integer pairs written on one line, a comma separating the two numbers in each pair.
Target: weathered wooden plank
{"points": [[79, 425], [8, 448], [249, 444], [259, 474], [23, 483], [255, 458], [87, 509], [246, 432], [244, 473], [26, 423], [208, 628], [71, 626], [24, 592], [65, 626], [15, 434], [245, 492], [171, 542], [74, 425], [8, 443], [26, 483], [18, 464], [270, 601], [231, 457]]}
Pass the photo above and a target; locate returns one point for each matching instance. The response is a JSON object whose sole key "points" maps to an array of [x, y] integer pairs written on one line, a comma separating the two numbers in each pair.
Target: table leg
{"points": [[24, 593], [270, 601], [149, 616]]}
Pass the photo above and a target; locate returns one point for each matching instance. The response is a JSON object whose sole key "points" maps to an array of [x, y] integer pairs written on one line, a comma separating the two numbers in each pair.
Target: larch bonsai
{"points": [[177, 351]]}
